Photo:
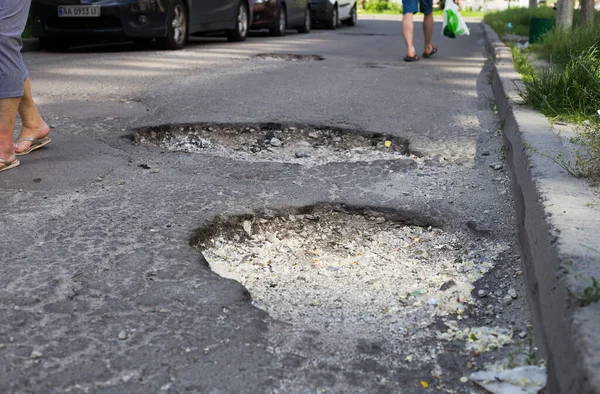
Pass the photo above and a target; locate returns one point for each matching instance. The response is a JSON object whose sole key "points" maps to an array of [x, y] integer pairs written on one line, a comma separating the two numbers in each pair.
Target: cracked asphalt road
{"points": [[102, 291]]}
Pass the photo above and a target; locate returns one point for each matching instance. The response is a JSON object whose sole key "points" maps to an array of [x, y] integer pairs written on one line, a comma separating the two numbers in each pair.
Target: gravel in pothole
{"points": [[358, 275], [309, 146]]}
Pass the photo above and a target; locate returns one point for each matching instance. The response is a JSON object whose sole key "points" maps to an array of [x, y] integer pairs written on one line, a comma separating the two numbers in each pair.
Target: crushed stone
{"points": [[353, 275], [309, 146]]}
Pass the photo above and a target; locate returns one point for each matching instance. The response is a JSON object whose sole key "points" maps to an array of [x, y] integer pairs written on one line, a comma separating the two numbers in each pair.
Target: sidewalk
{"points": [[558, 234]]}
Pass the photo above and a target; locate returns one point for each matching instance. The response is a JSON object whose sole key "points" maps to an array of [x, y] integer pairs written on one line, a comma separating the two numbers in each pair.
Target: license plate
{"points": [[79, 11]]}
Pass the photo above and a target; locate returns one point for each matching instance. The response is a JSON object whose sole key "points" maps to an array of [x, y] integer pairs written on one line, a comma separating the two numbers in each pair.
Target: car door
{"points": [[201, 10], [344, 8], [225, 10]]}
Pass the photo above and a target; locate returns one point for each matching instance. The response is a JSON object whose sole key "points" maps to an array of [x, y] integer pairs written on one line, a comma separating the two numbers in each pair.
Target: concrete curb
{"points": [[31, 44], [558, 236]]}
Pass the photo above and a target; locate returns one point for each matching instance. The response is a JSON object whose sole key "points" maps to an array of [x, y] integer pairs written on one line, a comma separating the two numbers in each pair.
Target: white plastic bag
{"points": [[454, 24]]}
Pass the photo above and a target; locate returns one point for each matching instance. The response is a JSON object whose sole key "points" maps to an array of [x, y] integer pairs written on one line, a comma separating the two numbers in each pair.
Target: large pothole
{"points": [[358, 274], [306, 145]]}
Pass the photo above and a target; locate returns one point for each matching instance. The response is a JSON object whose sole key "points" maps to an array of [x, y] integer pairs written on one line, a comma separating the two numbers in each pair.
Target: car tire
{"points": [[334, 20], [305, 28], [55, 44], [177, 27], [281, 23], [353, 17], [240, 30]]}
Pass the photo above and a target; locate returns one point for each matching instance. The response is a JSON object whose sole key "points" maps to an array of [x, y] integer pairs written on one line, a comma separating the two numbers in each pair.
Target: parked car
{"points": [[332, 12], [279, 15], [61, 23]]}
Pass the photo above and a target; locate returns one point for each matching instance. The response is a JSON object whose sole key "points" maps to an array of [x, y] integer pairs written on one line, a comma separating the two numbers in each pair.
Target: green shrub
{"points": [[381, 6]]}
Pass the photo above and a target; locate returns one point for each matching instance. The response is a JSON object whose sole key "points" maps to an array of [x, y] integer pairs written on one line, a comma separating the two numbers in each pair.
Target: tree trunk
{"points": [[362, 4], [564, 13], [533, 4], [587, 12]]}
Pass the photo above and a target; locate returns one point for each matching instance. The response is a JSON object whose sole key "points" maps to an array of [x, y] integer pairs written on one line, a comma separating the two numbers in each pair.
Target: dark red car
{"points": [[280, 15]]}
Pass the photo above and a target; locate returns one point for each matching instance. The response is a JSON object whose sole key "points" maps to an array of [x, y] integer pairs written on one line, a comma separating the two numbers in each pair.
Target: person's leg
{"points": [[427, 9], [409, 7], [408, 28], [428, 32], [33, 125], [8, 116]]}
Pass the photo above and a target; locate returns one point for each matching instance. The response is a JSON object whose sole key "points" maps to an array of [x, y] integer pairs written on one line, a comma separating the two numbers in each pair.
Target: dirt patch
{"points": [[384, 65], [290, 57], [306, 145]]}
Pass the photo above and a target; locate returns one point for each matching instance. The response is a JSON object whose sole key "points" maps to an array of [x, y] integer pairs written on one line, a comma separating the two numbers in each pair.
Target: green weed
{"points": [[591, 294]]}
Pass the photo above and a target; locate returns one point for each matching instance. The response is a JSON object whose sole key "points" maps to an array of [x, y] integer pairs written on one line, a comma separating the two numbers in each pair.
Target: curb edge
{"points": [[552, 242]]}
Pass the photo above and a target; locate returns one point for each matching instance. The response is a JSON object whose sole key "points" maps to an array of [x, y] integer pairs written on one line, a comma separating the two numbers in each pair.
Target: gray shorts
{"points": [[13, 73]]}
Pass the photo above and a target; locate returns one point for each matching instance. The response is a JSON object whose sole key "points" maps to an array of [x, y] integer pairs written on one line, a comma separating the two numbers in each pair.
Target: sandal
{"points": [[35, 144], [7, 165], [411, 58], [430, 54]]}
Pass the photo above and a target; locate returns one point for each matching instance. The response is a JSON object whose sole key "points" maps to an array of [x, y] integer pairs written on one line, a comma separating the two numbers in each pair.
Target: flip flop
{"points": [[411, 58], [35, 144], [9, 164], [430, 54]]}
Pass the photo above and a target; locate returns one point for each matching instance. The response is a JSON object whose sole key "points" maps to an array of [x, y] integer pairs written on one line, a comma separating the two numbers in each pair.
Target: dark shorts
{"points": [[414, 6], [13, 16]]}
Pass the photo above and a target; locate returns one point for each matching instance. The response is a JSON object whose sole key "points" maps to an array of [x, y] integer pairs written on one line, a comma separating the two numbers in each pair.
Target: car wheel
{"points": [[281, 23], [306, 27], [177, 26], [55, 44], [353, 17], [240, 30], [333, 22]]}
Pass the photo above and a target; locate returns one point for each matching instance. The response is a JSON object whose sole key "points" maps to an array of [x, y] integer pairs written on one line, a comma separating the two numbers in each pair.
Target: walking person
{"points": [[15, 89], [409, 8]]}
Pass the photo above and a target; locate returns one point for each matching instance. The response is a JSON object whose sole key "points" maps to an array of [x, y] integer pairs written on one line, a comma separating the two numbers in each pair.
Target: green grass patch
{"points": [[522, 64], [570, 92], [517, 17], [559, 46], [569, 88]]}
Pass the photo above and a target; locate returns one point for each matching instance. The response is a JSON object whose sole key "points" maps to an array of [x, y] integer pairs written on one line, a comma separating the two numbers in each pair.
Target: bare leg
{"points": [[428, 32], [408, 28], [8, 115], [33, 124]]}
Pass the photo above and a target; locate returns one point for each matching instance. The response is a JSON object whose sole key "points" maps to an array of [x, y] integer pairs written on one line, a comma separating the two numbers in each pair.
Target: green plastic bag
{"points": [[454, 24]]}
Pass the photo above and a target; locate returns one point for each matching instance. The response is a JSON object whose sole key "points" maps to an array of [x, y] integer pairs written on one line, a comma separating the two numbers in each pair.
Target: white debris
{"points": [[522, 380], [247, 225], [35, 355], [478, 339], [343, 273]]}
